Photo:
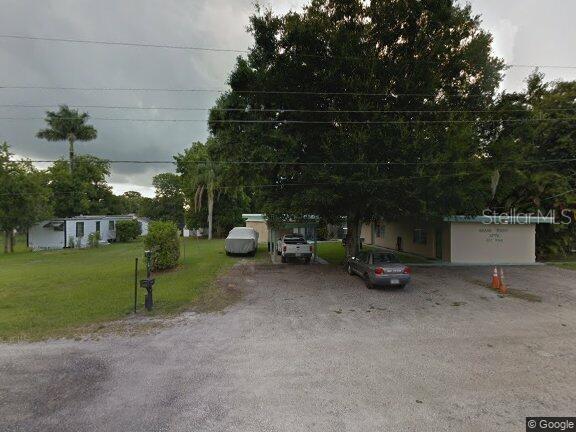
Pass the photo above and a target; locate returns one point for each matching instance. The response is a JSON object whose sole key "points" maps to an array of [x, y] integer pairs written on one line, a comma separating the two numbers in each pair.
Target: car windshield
{"points": [[384, 258]]}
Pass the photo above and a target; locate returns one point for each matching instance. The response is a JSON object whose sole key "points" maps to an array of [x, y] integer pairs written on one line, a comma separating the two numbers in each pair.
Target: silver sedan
{"points": [[379, 269]]}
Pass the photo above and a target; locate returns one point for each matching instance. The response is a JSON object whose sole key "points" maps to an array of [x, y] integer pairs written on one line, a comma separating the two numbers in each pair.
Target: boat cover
{"points": [[242, 240]]}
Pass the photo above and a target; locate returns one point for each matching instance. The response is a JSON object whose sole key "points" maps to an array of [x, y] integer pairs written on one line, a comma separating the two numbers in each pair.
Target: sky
{"points": [[524, 31]]}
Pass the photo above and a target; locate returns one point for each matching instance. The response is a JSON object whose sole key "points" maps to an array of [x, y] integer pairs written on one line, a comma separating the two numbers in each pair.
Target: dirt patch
{"points": [[524, 295], [46, 385], [512, 292]]}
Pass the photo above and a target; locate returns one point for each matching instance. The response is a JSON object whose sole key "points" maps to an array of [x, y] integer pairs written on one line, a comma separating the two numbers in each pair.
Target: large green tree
{"points": [[212, 192], [84, 191], [24, 196], [201, 178], [362, 109], [535, 157], [67, 124], [132, 202], [168, 204]]}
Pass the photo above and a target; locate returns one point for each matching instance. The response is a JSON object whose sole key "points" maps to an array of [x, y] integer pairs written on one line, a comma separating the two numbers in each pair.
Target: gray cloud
{"points": [[524, 32]]}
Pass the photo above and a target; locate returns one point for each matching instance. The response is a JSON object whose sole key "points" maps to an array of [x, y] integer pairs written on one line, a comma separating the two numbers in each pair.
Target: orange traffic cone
{"points": [[495, 279], [502, 287]]}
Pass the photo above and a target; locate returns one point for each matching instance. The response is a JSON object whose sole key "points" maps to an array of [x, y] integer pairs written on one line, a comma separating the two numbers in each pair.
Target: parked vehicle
{"points": [[379, 269], [298, 238], [295, 246], [242, 240]]}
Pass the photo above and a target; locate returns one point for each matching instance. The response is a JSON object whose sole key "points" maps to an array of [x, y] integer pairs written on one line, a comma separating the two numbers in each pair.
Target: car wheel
{"points": [[227, 253], [368, 283], [349, 270]]}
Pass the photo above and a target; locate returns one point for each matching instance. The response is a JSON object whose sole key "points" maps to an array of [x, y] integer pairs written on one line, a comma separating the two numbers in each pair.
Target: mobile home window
{"points": [[98, 226], [420, 236], [111, 225], [79, 229]]}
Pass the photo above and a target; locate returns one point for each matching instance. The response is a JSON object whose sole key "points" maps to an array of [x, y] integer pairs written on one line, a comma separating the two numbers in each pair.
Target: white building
{"points": [[461, 239], [61, 233]]}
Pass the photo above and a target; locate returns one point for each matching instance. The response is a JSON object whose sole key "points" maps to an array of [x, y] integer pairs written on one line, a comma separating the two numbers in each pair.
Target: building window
{"points": [[111, 225], [379, 229], [420, 236], [79, 229], [98, 226]]}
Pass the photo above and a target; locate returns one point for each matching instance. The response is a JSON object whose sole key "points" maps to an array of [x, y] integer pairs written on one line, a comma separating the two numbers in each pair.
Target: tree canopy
{"points": [[362, 110], [212, 193], [25, 198], [168, 204], [67, 125], [84, 191]]}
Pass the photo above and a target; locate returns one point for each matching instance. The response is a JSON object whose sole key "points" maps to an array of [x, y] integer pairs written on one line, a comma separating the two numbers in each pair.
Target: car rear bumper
{"points": [[391, 280], [297, 254]]}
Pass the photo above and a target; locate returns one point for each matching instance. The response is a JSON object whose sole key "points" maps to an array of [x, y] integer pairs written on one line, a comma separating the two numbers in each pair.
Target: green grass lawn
{"points": [[333, 252], [563, 261], [45, 294], [569, 263]]}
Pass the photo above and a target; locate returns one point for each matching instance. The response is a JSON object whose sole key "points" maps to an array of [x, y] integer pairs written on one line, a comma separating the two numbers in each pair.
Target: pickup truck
{"points": [[295, 246]]}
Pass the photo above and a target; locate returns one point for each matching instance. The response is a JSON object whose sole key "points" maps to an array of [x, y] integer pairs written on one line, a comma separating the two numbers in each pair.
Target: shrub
{"points": [[127, 230], [94, 239], [162, 240], [71, 242]]}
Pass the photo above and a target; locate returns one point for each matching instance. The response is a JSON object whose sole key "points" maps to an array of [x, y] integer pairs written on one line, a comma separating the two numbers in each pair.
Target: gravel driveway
{"points": [[309, 348]]}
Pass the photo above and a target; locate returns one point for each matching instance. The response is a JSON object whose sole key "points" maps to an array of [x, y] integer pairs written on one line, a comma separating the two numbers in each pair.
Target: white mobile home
{"points": [[61, 233]]}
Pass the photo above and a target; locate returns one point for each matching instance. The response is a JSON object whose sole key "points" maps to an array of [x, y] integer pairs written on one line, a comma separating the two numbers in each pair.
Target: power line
{"points": [[334, 122], [130, 44], [200, 90], [208, 49], [285, 110], [307, 184], [560, 194], [331, 163]]}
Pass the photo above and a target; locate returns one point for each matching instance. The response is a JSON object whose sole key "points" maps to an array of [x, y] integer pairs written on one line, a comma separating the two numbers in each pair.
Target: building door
{"points": [[438, 244]]}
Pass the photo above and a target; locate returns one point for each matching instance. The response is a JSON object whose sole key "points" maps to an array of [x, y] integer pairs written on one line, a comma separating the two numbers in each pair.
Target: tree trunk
{"points": [[7, 240], [353, 235], [12, 241], [71, 153], [210, 210]]}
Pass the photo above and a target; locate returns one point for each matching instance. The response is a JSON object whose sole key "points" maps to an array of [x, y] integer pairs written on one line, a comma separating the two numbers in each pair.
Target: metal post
{"points": [[149, 302], [135, 284], [315, 245], [184, 246]]}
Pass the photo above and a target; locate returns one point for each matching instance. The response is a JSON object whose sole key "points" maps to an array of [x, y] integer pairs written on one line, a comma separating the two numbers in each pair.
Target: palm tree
{"points": [[201, 177], [205, 180], [67, 125]]}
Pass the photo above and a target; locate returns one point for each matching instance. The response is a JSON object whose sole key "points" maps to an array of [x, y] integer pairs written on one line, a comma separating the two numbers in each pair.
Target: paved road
{"points": [[309, 348]]}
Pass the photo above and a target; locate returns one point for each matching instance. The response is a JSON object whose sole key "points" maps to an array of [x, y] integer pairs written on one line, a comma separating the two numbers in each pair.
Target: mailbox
{"points": [[147, 283]]}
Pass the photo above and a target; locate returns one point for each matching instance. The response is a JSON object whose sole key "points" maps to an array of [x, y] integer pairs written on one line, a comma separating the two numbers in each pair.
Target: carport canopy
{"points": [[309, 225]]}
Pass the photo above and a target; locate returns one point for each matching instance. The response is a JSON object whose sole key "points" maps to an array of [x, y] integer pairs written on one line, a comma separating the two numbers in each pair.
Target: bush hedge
{"points": [[127, 230], [162, 240], [94, 239]]}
